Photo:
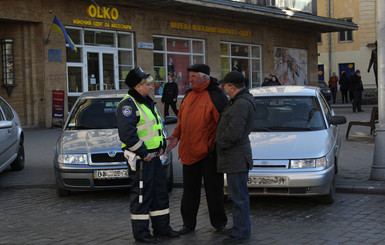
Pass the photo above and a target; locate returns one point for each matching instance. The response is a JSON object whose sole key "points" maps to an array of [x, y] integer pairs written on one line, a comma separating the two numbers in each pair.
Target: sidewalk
{"points": [[355, 159]]}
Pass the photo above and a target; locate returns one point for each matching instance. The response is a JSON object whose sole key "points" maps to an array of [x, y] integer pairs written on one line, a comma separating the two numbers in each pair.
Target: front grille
{"points": [[104, 157], [270, 166], [77, 182], [112, 182], [282, 191]]}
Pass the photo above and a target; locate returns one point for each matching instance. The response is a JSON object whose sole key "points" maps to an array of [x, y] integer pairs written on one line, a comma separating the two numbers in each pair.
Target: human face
{"points": [[229, 89], [144, 89], [195, 79], [169, 78]]}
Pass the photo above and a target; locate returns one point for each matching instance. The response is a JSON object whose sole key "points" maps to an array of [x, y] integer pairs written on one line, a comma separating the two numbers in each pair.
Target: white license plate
{"points": [[268, 180], [111, 174]]}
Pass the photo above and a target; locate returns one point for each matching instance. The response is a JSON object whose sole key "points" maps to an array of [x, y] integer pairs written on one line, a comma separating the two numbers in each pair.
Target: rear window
{"points": [[94, 114], [289, 113]]}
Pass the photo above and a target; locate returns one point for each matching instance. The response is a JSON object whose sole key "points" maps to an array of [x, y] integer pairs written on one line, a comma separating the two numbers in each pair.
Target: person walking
{"points": [[170, 95], [333, 84], [234, 151], [140, 131], [198, 116], [357, 88], [373, 61], [344, 87]]}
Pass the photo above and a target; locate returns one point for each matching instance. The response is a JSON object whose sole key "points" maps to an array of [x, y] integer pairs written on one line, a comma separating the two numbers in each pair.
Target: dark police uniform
{"points": [[140, 131]]}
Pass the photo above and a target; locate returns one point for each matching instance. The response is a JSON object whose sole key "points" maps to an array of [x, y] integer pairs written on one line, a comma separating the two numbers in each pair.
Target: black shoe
{"points": [[234, 240], [220, 229], [361, 111], [147, 239], [185, 230], [224, 231], [169, 234]]}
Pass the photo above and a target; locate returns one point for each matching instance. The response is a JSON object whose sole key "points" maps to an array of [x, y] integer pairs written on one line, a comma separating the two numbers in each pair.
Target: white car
{"points": [[295, 143], [11, 138]]}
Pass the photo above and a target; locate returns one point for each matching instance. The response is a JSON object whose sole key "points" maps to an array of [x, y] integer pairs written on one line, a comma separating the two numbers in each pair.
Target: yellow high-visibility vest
{"points": [[149, 128]]}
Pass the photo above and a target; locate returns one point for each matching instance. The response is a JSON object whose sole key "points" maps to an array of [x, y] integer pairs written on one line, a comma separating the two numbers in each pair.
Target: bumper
{"points": [[299, 183], [75, 177]]}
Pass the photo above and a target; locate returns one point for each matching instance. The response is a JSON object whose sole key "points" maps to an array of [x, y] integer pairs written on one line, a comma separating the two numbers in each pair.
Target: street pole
{"points": [[378, 167]]}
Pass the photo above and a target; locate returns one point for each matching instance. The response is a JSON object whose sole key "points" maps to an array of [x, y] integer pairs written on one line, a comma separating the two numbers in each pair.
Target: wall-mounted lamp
{"points": [[8, 65]]}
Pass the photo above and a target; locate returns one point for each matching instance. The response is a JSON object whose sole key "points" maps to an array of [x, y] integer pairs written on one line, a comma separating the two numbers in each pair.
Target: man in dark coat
{"points": [[357, 88], [234, 151], [170, 95]]}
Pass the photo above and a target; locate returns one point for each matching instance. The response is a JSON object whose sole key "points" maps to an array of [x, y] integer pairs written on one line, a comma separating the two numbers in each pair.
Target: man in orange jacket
{"points": [[196, 132]]}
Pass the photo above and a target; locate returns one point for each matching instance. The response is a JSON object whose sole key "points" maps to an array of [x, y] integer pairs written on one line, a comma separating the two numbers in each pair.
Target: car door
{"points": [[8, 135]]}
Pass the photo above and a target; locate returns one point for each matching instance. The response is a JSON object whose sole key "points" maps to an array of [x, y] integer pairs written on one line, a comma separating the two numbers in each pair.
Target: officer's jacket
{"points": [[128, 116]]}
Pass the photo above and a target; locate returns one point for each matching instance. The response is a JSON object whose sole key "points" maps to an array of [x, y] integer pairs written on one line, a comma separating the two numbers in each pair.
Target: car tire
{"points": [[62, 192], [170, 181], [329, 198], [18, 163]]}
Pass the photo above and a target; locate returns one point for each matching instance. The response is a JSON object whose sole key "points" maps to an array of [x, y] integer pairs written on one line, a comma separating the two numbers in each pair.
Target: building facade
{"points": [[348, 50], [42, 75]]}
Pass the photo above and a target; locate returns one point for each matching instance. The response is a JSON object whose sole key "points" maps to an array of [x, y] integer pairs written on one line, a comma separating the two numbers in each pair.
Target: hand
{"points": [[160, 153], [172, 142], [147, 158]]}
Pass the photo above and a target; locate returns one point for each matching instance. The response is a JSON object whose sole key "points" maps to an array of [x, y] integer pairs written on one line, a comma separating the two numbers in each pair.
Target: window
{"points": [[319, 37], [244, 58], [7, 110], [345, 36], [8, 64], [174, 55]]}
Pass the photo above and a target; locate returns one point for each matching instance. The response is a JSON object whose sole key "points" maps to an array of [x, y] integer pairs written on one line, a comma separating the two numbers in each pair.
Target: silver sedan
{"points": [[295, 143]]}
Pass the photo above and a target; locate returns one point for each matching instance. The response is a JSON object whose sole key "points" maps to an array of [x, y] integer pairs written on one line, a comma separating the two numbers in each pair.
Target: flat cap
{"points": [[234, 77], [135, 76], [200, 68]]}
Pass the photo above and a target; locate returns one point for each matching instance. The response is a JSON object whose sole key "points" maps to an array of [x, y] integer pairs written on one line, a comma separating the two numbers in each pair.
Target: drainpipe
{"points": [[330, 42], [378, 167]]}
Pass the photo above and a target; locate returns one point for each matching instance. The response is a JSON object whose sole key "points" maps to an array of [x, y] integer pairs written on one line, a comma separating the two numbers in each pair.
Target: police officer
{"points": [[140, 130]]}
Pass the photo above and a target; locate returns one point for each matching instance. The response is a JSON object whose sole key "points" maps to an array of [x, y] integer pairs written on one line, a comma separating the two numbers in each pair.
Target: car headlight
{"points": [[309, 163], [72, 158]]}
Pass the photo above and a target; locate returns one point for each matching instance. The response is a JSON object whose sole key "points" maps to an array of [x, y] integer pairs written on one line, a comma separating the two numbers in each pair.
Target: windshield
{"points": [[288, 113], [94, 114]]}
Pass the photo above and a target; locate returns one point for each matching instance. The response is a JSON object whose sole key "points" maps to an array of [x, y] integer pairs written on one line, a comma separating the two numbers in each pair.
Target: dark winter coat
{"points": [[234, 127], [170, 92], [356, 83], [344, 82]]}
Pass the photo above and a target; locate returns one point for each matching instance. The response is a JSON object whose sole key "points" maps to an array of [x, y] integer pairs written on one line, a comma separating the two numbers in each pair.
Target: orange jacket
{"points": [[198, 117]]}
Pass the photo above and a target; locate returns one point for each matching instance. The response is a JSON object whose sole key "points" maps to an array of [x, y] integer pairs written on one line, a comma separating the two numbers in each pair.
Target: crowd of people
{"points": [[210, 145], [351, 89]]}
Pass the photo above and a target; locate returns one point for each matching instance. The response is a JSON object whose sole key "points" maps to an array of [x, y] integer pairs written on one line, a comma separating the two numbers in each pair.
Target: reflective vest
{"points": [[149, 128]]}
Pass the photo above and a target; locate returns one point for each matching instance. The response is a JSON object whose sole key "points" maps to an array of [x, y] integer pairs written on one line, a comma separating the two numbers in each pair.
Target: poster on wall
{"points": [[290, 66]]}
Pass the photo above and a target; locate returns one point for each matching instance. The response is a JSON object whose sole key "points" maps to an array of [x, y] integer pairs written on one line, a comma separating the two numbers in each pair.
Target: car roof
{"points": [[103, 94], [285, 91]]}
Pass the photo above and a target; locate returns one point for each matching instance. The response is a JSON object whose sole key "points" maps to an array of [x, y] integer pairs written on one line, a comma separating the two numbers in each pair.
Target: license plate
{"points": [[268, 180], [111, 174]]}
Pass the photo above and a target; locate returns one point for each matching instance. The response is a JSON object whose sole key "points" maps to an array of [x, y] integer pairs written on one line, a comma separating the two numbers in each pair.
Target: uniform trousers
{"points": [[213, 184], [155, 205]]}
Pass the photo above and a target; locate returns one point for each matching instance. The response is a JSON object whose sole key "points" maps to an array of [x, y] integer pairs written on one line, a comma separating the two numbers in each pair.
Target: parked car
{"points": [[295, 143], [88, 153], [11, 138], [325, 90]]}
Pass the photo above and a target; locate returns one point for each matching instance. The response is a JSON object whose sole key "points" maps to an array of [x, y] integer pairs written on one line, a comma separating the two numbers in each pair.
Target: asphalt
{"points": [[355, 159]]}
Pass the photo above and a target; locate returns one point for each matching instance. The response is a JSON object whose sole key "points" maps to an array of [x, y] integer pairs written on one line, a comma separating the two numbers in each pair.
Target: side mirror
{"points": [[336, 120], [170, 120]]}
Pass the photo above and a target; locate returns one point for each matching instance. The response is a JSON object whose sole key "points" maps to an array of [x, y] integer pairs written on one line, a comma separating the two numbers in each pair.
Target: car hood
{"points": [[291, 145], [87, 141]]}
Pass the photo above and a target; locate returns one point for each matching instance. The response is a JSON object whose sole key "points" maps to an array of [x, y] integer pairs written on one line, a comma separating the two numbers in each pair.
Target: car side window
{"points": [[325, 108], [7, 110], [1, 116]]}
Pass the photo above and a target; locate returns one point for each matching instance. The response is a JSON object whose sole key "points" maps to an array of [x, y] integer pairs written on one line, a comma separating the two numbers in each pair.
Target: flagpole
{"points": [[49, 33]]}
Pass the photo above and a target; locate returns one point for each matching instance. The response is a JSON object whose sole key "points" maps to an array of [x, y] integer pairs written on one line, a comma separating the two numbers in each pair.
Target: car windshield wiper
{"points": [[81, 127], [262, 129]]}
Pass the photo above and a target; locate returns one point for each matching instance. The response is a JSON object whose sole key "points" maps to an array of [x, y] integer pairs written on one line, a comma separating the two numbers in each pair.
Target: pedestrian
{"points": [[140, 130], [234, 151], [373, 61], [344, 87], [357, 88], [170, 94], [265, 82], [198, 116], [333, 84]]}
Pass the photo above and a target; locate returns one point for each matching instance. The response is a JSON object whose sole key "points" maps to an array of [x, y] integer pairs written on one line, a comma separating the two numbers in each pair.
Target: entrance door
{"points": [[101, 70]]}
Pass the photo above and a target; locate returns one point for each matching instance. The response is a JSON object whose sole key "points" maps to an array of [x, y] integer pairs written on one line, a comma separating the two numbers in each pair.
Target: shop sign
{"points": [[58, 104], [105, 14], [212, 29]]}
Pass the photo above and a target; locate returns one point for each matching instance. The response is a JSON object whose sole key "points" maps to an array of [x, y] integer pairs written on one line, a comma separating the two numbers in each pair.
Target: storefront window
{"points": [[244, 58], [174, 55], [75, 79]]}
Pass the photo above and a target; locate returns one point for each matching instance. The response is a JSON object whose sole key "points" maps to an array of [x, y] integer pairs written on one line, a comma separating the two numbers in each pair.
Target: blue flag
{"points": [[58, 27]]}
